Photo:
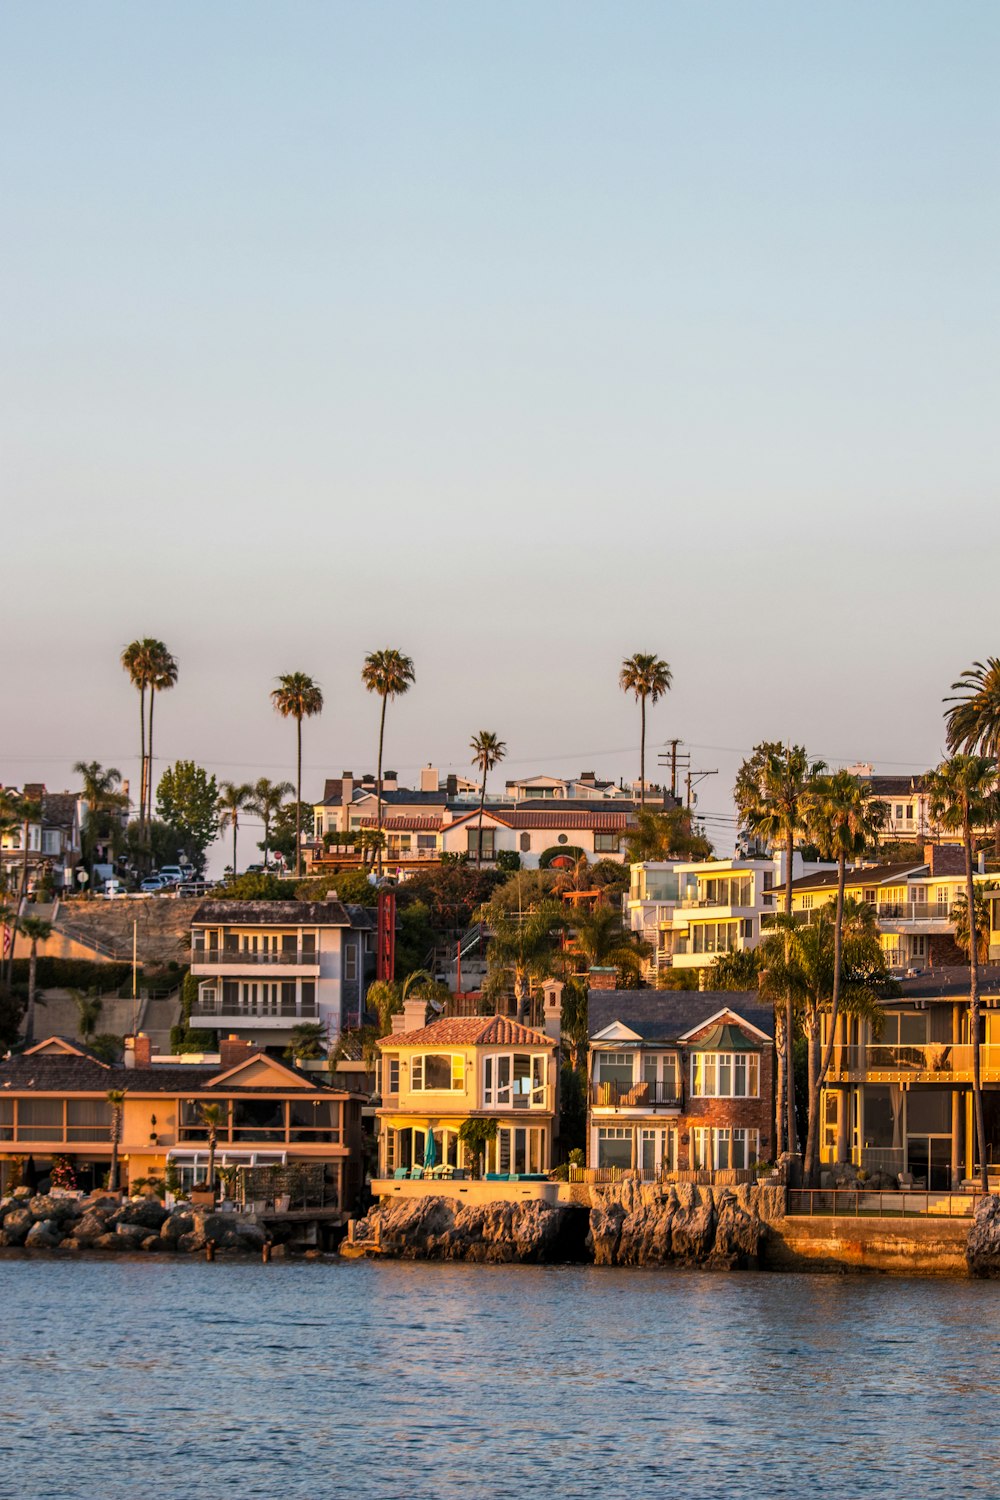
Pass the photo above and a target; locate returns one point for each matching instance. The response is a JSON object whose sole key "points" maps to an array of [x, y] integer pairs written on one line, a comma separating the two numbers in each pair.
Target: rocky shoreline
{"points": [[105, 1222]]}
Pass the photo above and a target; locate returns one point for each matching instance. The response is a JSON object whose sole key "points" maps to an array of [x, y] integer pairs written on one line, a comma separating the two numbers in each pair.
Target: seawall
{"points": [[896, 1247]]}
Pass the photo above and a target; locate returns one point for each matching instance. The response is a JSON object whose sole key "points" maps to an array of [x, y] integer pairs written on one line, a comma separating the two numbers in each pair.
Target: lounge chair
{"points": [[401, 1174], [416, 1174], [458, 1175], [496, 1177]]}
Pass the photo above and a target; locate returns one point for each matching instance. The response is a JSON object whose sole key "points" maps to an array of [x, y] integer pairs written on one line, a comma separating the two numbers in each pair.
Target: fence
{"points": [[724, 1177], [304, 1183], [893, 1203]]}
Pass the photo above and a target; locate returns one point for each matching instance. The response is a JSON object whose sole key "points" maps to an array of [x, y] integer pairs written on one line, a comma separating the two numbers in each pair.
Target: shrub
{"points": [[256, 887]]}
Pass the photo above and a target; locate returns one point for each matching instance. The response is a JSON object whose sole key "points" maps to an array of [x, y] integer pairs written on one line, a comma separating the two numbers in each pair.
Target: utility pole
{"points": [[675, 760], [692, 779]]}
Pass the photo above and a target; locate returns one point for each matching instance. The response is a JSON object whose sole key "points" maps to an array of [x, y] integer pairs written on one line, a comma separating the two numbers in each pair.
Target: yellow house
{"points": [[433, 1078]]}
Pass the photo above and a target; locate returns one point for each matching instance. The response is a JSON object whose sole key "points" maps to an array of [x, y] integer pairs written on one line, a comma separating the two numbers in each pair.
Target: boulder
{"points": [[982, 1248], [44, 1206], [156, 1243], [44, 1235], [90, 1227], [22, 1194], [132, 1235], [739, 1234], [16, 1225], [177, 1224], [148, 1212], [109, 1242]]}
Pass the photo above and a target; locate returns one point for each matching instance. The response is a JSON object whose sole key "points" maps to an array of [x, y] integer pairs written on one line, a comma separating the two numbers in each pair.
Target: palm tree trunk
{"points": [[235, 831], [267, 838], [211, 1160], [812, 1129], [378, 826], [789, 1010], [149, 779], [482, 800], [29, 1015], [298, 800], [977, 1083], [779, 1080], [142, 762], [115, 1134], [642, 753], [827, 1056], [521, 993]]}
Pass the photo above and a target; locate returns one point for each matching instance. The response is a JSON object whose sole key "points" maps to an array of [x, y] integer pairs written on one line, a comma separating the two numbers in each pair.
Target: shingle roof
{"points": [[826, 880], [665, 1015], [470, 1031], [61, 1073], [59, 809], [899, 786], [273, 913], [543, 818]]}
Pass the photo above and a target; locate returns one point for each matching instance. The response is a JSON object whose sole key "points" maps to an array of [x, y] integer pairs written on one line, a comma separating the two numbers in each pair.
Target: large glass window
{"points": [[258, 1120], [725, 1075], [614, 1146], [40, 1119], [659, 1074], [514, 1080], [615, 1067], [314, 1120], [438, 1072], [87, 1119]]}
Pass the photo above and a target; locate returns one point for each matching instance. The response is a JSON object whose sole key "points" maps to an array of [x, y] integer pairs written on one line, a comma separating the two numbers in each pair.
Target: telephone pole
{"points": [[692, 779], [674, 760]]}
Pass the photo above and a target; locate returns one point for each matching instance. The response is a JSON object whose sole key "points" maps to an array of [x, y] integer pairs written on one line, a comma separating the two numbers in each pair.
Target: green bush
{"points": [[74, 973], [183, 1039], [508, 860], [256, 887]]}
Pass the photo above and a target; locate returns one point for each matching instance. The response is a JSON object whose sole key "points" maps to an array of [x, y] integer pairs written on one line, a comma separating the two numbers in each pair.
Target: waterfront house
{"points": [[679, 1081], [53, 1102], [264, 967], [53, 838], [435, 1077]]}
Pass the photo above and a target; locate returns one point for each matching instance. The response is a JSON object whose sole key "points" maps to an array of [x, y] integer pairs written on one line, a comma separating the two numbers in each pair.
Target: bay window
{"points": [[514, 1080]]}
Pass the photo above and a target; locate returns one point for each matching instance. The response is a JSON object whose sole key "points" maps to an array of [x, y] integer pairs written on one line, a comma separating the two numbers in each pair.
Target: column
{"points": [[843, 1106], [957, 1137], [970, 1137]]}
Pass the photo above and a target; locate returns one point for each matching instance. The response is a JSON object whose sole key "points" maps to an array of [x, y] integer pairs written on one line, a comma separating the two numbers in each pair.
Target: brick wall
{"points": [[735, 1114], [945, 859]]}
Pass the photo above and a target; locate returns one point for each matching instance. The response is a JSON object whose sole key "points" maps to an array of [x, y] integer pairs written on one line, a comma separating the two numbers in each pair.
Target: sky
{"points": [[520, 337]]}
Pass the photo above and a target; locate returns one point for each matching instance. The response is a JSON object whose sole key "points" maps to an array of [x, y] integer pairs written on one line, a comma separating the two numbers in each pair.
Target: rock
{"points": [[149, 1212], [279, 1252], [45, 1235], [982, 1248], [738, 1235], [439, 1228], [93, 1224], [22, 1194], [16, 1225], [98, 1202], [155, 1243], [44, 1206], [177, 1224], [109, 1242], [132, 1235]]}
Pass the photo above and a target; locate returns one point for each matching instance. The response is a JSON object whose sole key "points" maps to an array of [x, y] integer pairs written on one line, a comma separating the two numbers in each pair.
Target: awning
{"points": [[725, 1038], [182, 1158]]}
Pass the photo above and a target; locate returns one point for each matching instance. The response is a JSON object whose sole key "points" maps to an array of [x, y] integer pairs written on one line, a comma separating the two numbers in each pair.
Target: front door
{"points": [[928, 1158]]}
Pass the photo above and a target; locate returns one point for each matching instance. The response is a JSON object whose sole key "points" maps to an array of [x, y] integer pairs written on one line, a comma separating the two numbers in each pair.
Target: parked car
{"points": [[152, 885], [195, 887], [172, 874]]}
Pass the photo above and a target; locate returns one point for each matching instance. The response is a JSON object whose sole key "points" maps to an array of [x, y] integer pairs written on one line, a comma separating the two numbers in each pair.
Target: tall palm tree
{"points": [[88, 1007], [234, 798], [266, 800], [845, 821], [162, 677], [963, 792], [959, 916], [522, 946], [647, 676], [770, 795], [488, 750], [100, 793], [297, 697], [214, 1118], [601, 940], [36, 930], [973, 724], [389, 674], [27, 810], [137, 661], [116, 1098]]}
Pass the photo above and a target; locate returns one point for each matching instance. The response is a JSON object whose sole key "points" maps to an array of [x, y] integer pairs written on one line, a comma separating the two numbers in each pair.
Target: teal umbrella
{"points": [[430, 1151]]}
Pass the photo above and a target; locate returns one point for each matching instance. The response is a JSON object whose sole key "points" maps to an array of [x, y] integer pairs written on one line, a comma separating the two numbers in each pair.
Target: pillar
{"points": [[970, 1137], [957, 1138], [843, 1109]]}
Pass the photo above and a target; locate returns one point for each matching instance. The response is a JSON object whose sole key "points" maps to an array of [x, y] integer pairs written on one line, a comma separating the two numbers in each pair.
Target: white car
{"points": [[171, 874], [152, 885]]}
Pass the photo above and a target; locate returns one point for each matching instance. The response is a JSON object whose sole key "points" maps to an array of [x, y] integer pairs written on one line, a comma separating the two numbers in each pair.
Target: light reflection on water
{"points": [[183, 1380]]}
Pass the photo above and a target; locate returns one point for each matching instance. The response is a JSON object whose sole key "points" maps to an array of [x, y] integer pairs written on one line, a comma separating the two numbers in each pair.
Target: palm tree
{"points": [[137, 660], [116, 1098], [234, 798], [89, 1006], [163, 676], [389, 674], [646, 676], [100, 793], [297, 697], [600, 939], [770, 796], [309, 1040], [963, 791], [666, 835], [959, 915], [488, 750], [845, 821], [214, 1118], [36, 930], [521, 945], [973, 725], [266, 800], [27, 810], [798, 959]]}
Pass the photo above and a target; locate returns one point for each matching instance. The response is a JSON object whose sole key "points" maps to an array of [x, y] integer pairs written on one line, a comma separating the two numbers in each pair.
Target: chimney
{"points": [[603, 979], [945, 859], [346, 787], [414, 1014], [390, 781], [233, 1050], [451, 786], [589, 778], [143, 1050], [368, 780], [429, 779], [552, 993]]}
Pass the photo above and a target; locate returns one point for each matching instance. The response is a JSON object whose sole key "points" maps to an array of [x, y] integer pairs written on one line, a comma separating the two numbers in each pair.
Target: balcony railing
{"points": [[635, 1095], [239, 959], [912, 911], [228, 1010], [932, 1060]]}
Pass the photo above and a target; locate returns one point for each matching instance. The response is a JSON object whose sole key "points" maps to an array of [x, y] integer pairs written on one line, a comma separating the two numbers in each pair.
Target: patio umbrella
{"points": [[430, 1150], [31, 1174]]}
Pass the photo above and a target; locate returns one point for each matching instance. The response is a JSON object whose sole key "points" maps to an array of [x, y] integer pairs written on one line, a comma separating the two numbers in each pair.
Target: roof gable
{"points": [[616, 1032], [61, 1046], [260, 1071], [723, 1019]]}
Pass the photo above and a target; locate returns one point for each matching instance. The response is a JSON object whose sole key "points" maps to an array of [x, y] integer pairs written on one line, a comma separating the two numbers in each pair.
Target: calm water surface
{"points": [[179, 1380]]}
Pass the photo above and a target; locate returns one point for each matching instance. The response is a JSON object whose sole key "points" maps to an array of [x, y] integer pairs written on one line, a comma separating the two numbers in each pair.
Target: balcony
{"points": [[289, 961], [913, 916], [926, 1062], [635, 1095], [276, 1016]]}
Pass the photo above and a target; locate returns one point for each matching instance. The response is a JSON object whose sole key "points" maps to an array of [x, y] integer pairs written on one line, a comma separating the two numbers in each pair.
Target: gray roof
{"points": [[865, 875], [665, 1015], [278, 913], [61, 1073]]}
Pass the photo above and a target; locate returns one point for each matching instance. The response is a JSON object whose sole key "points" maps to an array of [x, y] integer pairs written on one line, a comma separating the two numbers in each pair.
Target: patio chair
{"points": [[458, 1175], [401, 1174], [416, 1174]]}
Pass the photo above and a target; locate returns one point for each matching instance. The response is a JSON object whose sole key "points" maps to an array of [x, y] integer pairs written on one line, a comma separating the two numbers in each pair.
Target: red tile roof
{"points": [[468, 1031], [596, 822], [407, 823]]}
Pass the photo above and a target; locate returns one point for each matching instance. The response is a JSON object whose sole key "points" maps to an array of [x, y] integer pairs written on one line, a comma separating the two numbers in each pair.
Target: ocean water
{"points": [[132, 1377]]}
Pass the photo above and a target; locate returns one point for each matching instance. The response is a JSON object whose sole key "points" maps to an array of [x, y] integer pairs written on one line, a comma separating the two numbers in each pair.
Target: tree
{"points": [[575, 1021], [116, 1099], [476, 1135], [959, 915], [233, 799], [389, 674], [187, 799], [797, 960], [488, 750], [297, 697], [27, 810], [738, 970], [385, 999], [962, 793], [666, 835], [973, 724], [214, 1117], [646, 676], [601, 940], [88, 1007], [770, 795], [101, 795], [162, 678], [521, 947], [266, 800], [36, 931], [137, 660], [308, 1041], [289, 817]]}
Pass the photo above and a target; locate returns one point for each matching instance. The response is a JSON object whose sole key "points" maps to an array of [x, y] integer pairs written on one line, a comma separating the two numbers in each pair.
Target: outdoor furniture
{"points": [[416, 1174], [401, 1174], [458, 1174]]}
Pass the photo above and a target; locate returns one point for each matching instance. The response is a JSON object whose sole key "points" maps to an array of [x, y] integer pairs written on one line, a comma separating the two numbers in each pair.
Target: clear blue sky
{"points": [[518, 336]]}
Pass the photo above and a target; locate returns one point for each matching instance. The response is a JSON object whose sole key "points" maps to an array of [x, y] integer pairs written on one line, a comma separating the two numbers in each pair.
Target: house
{"points": [[912, 901], [264, 967], [541, 836], [585, 787], [53, 1102], [435, 1077], [679, 1081], [898, 1098], [53, 839], [692, 912]]}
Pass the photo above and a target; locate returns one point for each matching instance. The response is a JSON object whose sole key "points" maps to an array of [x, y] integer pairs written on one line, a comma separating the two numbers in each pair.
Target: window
{"points": [[605, 843], [807, 902], [562, 839], [658, 1150], [350, 962], [426, 841], [899, 812], [723, 1149], [525, 843], [725, 1075], [50, 841], [258, 1120], [514, 1080], [659, 1074], [314, 1120], [615, 1067], [438, 1072], [614, 1146], [390, 1075], [519, 1149], [489, 839], [40, 1119]]}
